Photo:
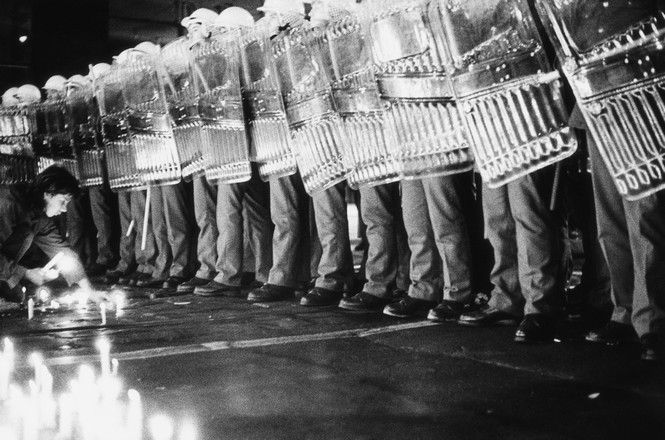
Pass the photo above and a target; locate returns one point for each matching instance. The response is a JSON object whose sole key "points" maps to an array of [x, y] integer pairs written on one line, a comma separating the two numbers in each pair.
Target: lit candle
{"points": [[31, 308], [65, 420], [104, 348], [36, 360], [6, 368], [119, 299], [102, 306], [161, 427], [134, 416], [187, 431]]}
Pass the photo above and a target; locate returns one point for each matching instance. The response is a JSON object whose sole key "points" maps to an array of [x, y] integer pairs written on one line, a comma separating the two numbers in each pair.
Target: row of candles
{"points": [[93, 407]]}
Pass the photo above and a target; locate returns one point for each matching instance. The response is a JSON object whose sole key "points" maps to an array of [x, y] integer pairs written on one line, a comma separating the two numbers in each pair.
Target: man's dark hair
{"points": [[53, 180]]}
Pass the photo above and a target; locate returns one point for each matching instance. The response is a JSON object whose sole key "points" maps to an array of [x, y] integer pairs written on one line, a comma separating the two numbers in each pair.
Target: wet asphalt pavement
{"points": [[282, 371]]}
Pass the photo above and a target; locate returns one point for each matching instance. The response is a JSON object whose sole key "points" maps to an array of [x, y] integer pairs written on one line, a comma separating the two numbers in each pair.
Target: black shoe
{"points": [[487, 316], [535, 328], [173, 282], [652, 347], [149, 282], [190, 285], [318, 296], [213, 288], [364, 302], [271, 292], [450, 311], [408, 307], [613, 333]]}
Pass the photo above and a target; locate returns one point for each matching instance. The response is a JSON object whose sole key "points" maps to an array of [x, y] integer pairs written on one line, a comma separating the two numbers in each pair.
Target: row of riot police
{"points": [[259, 127]]}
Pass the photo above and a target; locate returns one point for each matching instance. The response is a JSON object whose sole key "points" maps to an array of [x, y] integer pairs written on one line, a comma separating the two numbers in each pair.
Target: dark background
{"points": [[65, 36]]}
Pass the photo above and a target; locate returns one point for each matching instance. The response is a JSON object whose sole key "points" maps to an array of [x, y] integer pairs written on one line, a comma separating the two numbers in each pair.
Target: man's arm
{"points": [[10, 271], [49, 240]]}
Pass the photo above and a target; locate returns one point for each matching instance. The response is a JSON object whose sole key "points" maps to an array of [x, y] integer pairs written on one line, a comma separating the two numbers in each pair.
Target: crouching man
{"points": [[29, 237]]}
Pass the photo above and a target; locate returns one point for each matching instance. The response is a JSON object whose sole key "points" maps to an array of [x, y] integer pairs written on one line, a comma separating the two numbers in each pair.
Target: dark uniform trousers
{"points": [[291, 247], [205, 208], [103, 205], [173, 227], [131, 207], [527, 240], [81, 229], [438, 237], [388, 255], [632, 236], [335, 269], [243, 216]]}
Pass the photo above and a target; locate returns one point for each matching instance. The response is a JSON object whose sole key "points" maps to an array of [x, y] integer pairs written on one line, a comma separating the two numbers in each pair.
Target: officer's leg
{"points": [[289, 209], [80, 231], [127, 262], [160, 231], [632, 237], [378, 205], [336, 266], [179, 227], [445, 205], [102, 205], [506, 302], [613, 237], [539, 242], [145, 257], [230, 239], [260, 229], [205, 208], [425, 264]]}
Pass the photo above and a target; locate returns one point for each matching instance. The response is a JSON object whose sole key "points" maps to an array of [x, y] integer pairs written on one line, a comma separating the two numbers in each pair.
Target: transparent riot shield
{"points": [[357, 98], [270, 136], [410, 60], [319, 136], [149, 120], [225, 147], [17, 162], [612, 54], [58, 149], [83, 123], [122, 170], [182, 97], [509, 93], [40, 136]]}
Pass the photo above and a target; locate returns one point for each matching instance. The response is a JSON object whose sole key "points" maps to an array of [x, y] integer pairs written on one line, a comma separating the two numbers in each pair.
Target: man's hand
{"points": [[85, 284], [40, 276]]}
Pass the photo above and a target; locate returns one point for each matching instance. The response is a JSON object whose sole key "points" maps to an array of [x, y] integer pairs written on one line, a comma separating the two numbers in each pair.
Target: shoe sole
{"points": [[225, 293], [402, 316], [432, 317], [610, 343], [352, 309], [305, 303], [526, 341], [502, 322], [266, 300]]}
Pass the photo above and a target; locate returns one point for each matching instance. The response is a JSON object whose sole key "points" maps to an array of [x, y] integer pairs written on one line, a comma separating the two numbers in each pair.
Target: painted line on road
{"points": [[207, 347]]}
